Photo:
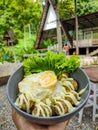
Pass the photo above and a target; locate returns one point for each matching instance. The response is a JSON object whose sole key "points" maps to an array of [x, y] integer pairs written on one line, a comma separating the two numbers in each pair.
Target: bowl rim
{"points": [[27, 115]]}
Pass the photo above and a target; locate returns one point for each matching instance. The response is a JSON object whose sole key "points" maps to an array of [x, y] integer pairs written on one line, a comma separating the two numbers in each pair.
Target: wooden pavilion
{"points": [[87, 22]]}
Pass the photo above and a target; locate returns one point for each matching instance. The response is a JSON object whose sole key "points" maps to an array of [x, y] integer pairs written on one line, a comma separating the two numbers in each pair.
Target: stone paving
{"points": [[5, 111]]}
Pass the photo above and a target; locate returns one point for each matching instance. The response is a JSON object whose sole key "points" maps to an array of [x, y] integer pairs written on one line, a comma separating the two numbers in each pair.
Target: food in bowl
{"points": [[48, 92]]}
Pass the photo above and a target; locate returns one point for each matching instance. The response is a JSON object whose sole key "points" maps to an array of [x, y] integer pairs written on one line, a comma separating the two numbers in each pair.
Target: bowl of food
{"points": [[48, 92]]}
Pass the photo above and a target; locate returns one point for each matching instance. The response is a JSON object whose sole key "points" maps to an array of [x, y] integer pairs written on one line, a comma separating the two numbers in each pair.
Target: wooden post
{"points": [[76, 24], [87, 50], [59, 34]]}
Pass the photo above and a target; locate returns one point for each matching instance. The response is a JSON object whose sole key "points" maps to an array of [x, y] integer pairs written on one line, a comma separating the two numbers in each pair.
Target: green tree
{"points": [[86, 7], [67, 8], [15, 14]]}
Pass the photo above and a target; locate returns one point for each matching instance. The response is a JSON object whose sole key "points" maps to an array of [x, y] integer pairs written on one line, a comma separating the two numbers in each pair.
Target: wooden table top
{"points": [[92, 74]]}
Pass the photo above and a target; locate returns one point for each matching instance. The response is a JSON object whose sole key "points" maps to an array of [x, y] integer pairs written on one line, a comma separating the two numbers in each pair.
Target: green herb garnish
{"points": [[52, 61]]}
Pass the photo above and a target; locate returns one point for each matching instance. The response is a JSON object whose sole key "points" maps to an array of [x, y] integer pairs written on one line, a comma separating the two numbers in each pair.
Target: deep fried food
{"points": [[44, 95]]}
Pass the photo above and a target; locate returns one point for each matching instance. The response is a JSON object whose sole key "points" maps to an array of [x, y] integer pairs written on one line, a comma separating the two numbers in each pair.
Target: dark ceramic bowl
{"points": [[12, 91]]}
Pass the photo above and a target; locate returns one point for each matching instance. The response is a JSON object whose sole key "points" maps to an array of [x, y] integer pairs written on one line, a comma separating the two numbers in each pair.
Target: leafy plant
{"points": [[20, 49], [6, 54], [47, 43], [66, 9], [52, 61], [86, 7], [14, 14]]}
